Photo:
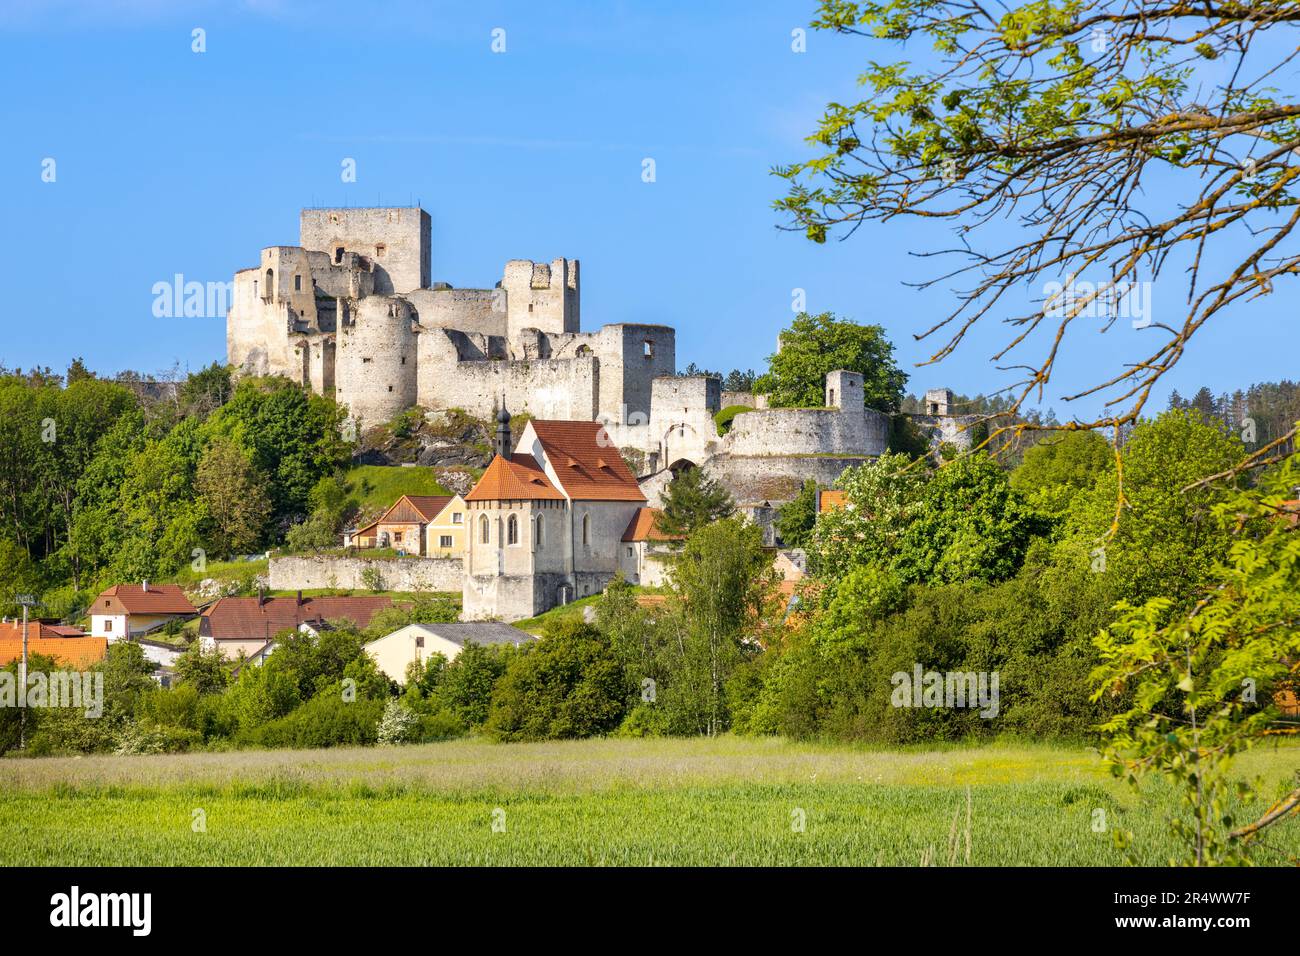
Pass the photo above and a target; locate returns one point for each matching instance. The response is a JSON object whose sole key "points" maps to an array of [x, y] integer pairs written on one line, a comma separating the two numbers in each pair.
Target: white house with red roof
{"points": [[546, 520], [130, 610]]}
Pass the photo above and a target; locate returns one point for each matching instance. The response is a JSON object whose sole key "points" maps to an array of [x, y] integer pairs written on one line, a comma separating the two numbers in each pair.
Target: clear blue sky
{"points": [[170, 161]]}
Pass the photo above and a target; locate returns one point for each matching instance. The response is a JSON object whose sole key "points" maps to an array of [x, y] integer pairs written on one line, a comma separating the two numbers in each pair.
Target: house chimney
{"points": [[261, 597], [144, 585], [300, 599], [502, 444]]}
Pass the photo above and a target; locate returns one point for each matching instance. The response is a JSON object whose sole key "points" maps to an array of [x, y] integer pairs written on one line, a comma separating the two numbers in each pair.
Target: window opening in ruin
{"points": [[390, 388], [934, 408], [832, 396], [649, 348], [338, 254], [297, 283], [270, 281], [380, 249], [366, 360]]}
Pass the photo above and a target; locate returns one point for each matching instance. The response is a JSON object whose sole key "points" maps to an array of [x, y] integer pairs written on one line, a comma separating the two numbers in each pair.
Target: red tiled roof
{"points": [[243, 618], [644, 527], [13, 631], [520, 478], [78, 652], [586, 461], [831, 500], [133, 599]]}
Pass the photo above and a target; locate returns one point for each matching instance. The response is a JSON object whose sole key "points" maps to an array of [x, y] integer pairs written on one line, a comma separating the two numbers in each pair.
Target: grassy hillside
{"points": [[637, 802], [377, 486]]}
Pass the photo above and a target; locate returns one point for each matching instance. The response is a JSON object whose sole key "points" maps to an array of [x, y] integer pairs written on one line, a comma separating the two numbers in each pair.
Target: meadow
{"points": [[597, 802]]}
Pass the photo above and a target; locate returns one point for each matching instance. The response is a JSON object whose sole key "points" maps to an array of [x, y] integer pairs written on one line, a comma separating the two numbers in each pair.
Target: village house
{"points": [[546, 519], [68, 646], [416, 643], [426, 525], [246, 626], [646, 549], [130, 610]]}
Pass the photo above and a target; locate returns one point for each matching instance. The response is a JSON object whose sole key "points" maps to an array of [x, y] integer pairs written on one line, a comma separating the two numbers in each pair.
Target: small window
{"points": [[380, 249], [390, 388], [297, 283], [530, 307], [649, 348], [397, 536], [832, 401], [457, 518], [629, 551], [338, 254], [586, 531], [366, 360], [444, 541], [541, 533], [484, 529], [419, 640], [254, 287], [512, 530], [108, 625]]}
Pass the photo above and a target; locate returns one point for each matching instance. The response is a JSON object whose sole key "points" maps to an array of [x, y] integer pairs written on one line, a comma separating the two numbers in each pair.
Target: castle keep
{"points": [[352, 312]]}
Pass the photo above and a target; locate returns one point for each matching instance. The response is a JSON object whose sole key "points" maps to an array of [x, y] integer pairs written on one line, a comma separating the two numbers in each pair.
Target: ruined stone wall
{"points": [[542, 296], [946, 429], [396, 240], [776, 478], [303, 572], [544, 388], [470, 310]]}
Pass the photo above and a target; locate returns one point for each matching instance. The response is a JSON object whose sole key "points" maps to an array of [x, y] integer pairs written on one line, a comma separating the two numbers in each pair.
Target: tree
{"points": [[721, 581], [567, 685], [970, 526], [884, 497], [1203, 679], [1055, 470], [692, 500], [234, 495], [796, 518], [816, 345], [1059, 116]]}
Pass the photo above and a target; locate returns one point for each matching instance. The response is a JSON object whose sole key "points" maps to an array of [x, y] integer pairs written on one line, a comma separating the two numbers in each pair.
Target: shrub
{"points": [[325, 721], [399, 724]]}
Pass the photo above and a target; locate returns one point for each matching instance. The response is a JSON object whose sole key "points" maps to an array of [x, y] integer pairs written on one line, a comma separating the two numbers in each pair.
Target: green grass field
{"points": [[601, 802], [377, 486]]}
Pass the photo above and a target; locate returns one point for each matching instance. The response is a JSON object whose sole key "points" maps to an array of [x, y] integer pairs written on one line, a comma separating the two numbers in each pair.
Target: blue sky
{"points": [[171, 162]]}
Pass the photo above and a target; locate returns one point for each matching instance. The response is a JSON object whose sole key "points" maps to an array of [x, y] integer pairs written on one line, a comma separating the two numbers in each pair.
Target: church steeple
{"points": [[502, 445]]}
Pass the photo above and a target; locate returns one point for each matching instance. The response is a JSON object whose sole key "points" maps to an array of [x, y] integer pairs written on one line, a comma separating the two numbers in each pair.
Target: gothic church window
{"points": [[512, 530]]}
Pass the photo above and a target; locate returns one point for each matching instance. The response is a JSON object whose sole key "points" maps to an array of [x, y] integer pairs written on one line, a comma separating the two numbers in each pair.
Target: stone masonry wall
{"points": [[304, 572]]}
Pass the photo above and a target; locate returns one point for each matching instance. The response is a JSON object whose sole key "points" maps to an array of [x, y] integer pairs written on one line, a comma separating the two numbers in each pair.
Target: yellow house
{"points": [[427, 525], [444, 536]]}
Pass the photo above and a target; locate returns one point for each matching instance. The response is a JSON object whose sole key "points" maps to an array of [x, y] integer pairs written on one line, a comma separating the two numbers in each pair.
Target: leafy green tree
{"points": [[467, 683], [569, 684], [816, 345], [292, 436], [692, 500], [796, 518], [234, 495], [206, 671], [884, 498], [1203, 680], [971, 525], [1141, 530], [1055, 470], [721, 580]]}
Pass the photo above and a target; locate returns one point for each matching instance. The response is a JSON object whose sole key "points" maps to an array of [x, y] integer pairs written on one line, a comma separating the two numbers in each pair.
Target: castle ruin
{"points": [[352, 312]]}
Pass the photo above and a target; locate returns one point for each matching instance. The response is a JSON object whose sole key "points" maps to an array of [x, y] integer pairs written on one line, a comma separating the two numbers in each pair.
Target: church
{"points": [[547, 519]]}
